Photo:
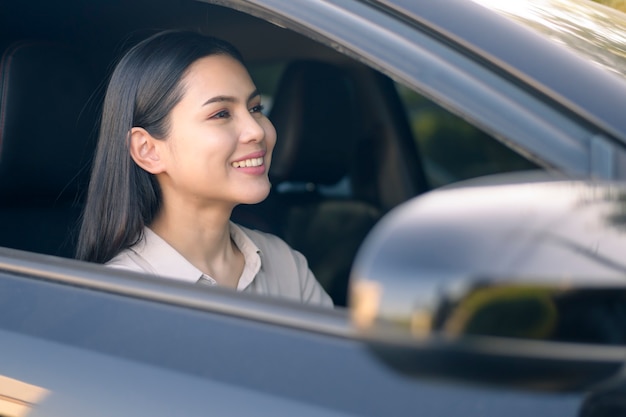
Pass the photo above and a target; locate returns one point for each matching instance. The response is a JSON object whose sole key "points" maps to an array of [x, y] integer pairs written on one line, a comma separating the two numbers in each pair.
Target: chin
{"points": [[255, 196]]}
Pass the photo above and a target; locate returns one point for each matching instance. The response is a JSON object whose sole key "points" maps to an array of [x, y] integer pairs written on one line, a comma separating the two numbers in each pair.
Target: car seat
{"points": [[313, 204], [46, 143]]}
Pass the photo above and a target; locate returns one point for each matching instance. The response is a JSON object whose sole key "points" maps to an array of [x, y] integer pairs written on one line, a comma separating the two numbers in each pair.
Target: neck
{"points": [[202, 236]]}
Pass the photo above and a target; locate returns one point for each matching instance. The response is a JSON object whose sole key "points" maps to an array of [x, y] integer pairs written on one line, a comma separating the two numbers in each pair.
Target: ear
{"points": [[146, 150]]}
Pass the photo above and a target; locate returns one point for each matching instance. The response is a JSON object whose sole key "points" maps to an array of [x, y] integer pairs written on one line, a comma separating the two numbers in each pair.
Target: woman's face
{"points": [[220, 144]]}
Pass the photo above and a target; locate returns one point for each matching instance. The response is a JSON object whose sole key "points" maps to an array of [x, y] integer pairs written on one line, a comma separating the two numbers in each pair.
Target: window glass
{"points": [[266, 78], [452, 149]]}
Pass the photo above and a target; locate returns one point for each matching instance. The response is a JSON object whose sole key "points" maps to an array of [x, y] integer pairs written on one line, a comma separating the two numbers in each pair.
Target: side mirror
{"points": [[514, 283]]}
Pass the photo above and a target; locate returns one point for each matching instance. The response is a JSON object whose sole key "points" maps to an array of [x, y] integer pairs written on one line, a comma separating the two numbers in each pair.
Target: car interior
{"points": [[352, 142]]}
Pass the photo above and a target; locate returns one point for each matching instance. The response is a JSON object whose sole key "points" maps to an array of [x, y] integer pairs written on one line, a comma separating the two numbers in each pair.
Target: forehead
{"points": [[217, 74]]}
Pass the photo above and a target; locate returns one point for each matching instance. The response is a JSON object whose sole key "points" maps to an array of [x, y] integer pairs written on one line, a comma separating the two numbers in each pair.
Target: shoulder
{"points": [[128, 260], [153, 255], [286, 269]]}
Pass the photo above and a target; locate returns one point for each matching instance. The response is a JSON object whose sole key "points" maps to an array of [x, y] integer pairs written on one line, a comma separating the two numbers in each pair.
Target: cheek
{"points": [[270, 134]]}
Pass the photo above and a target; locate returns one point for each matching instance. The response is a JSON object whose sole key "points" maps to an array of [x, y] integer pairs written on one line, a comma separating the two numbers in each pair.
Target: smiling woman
{"points": [[183, 141]]}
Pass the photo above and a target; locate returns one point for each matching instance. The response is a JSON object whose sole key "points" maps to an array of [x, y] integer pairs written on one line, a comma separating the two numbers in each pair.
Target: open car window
{"points": [[452, 149], [375, 134]]}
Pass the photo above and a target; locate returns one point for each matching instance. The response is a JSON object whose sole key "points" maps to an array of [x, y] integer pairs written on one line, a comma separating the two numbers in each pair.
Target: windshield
{"points": [[596, 31]]}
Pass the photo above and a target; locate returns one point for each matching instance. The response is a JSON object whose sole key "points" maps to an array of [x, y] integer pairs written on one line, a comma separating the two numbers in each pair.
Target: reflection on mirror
{"points": [[532, 312], [582, 315]]}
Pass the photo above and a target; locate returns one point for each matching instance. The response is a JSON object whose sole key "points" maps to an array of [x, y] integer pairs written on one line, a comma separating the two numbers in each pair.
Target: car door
{"points": [[80, 339]]}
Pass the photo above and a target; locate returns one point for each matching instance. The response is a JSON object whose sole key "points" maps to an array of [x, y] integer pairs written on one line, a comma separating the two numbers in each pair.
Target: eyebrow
{"points": [[230, 99]]}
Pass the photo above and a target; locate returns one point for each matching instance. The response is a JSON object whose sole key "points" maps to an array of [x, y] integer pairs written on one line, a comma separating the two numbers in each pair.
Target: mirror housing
{"points": [[505, 280]]}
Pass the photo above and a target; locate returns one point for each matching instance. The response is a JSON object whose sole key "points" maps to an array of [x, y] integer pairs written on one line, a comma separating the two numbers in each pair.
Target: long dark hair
{"points": [[144, 87]]}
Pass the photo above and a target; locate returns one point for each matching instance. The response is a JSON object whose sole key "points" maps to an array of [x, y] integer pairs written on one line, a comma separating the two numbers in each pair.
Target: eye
{"points": [[257, 109], [223, 114]]}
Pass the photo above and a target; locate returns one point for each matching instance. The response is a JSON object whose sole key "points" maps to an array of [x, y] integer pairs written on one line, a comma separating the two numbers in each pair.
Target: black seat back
{"points": [[46, 143], [313, 201]]}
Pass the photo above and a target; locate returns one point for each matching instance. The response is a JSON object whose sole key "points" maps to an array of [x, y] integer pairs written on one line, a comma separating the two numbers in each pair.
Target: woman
{"points": [[183, 140]]}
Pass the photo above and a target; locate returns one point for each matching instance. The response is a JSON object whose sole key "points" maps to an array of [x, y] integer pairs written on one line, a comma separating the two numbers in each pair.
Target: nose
{"points": [[252, 129]]}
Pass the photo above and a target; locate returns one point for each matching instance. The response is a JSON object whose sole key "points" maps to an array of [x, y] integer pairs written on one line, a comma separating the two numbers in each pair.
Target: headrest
{"points": [[46, 125], [314, 116]]}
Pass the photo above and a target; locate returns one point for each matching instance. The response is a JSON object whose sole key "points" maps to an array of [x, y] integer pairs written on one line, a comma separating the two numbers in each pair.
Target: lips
{"points": [[251, 162]]}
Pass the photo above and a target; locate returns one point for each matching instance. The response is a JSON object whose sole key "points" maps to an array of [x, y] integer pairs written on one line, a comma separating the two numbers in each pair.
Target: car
{"points": [[451, 169]]}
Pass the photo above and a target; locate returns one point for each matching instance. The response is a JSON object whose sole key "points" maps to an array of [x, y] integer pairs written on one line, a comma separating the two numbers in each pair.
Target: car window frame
{"points": [[210, 299], [494, 100]]}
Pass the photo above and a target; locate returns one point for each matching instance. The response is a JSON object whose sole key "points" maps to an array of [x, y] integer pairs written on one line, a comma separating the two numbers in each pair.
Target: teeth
{"points": [[254, 162]]}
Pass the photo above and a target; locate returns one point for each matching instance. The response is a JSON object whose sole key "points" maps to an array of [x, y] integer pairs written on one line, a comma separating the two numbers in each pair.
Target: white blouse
{"points": [[271, 266]]}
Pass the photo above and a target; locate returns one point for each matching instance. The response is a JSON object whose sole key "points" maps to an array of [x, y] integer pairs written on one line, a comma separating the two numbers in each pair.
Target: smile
{"points": [[252, 162]]}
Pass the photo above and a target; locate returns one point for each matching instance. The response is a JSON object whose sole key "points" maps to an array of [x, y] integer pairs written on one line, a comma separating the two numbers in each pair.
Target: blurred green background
{"points": [[617, 4]]}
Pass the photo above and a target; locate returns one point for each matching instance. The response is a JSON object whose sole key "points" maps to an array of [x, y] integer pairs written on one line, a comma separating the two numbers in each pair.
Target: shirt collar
{"points": [[167, 261], [251, 255]]}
